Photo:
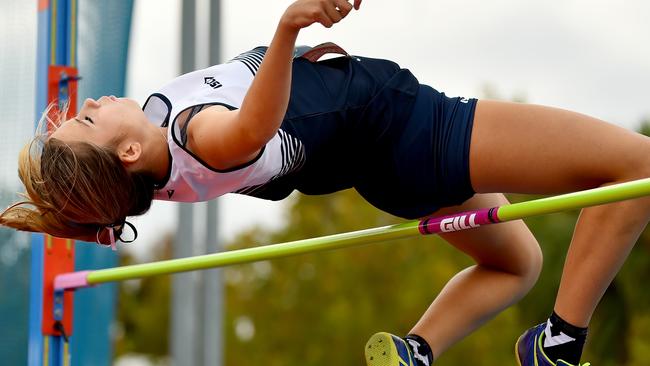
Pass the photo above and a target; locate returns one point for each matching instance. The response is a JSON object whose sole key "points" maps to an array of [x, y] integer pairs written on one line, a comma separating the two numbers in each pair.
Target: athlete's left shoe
{"points": [[385, 349], [529, 351]]}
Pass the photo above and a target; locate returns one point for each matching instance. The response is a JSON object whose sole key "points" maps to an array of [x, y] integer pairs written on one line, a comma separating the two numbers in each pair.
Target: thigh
{"points": [[535, 149], [509, 246]]}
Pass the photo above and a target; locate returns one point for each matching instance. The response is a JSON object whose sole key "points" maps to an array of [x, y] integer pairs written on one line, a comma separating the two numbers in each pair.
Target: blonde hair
{"points": [[74, 190]]}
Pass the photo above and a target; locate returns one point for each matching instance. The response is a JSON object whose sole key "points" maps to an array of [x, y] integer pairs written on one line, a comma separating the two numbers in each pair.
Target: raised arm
{"points": [[226, 139]]}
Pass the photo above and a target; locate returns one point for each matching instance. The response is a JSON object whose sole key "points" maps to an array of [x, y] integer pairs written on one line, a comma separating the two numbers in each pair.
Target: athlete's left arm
{"points": [[226, 139]]}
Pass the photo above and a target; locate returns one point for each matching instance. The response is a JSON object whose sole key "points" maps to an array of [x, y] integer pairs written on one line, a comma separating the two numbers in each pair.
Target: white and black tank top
{"points": [[189, 178]]}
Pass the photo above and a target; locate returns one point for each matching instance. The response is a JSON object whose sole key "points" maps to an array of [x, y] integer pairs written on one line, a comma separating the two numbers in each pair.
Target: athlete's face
{"points": [[104, 121]]}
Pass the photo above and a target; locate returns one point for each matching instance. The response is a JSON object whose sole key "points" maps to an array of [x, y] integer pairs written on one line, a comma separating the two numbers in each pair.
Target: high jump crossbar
{"points": [[434, 225]]}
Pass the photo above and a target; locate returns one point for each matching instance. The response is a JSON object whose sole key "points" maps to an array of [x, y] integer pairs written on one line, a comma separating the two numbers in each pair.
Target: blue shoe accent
{"points": [[385, 349], [529, 352]]}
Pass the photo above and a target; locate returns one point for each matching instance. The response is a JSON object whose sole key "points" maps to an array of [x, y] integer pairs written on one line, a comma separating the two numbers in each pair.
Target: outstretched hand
{"points": [[304, 13]]}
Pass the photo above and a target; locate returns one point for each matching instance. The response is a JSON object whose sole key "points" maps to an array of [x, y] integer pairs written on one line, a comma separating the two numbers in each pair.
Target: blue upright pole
{"points": [[56, 44]]}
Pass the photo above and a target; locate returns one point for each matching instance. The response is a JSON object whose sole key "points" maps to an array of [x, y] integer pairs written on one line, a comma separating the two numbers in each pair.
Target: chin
{"points": [[130, 101]]}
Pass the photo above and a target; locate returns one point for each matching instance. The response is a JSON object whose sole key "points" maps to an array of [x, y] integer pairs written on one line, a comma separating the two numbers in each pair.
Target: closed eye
{"points": [[86, 119]]}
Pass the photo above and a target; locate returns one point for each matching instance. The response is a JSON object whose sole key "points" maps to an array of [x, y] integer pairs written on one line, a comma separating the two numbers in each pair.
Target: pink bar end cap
{"points": [[70, 281]]}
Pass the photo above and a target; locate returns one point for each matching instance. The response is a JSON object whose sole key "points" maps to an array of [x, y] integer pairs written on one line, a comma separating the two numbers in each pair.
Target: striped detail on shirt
{"points": [[252, 59], [293, 158], [293, 154]]}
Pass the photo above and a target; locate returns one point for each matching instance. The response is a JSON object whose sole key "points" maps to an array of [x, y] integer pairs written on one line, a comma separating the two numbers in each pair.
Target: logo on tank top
{"points": [[212, 82], [458, 223], [170, 193], [464, 100]]}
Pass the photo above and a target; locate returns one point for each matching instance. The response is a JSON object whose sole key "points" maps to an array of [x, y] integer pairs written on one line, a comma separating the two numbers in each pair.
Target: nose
{"points": [[106, 99], [89, 102]]}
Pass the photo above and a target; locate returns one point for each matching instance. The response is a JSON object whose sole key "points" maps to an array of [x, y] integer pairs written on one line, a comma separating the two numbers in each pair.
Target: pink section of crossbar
{"points": [[71, 280], [459, 221]]}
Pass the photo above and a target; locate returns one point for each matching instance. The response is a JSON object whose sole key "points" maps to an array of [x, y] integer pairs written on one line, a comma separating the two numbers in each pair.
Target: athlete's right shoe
{"points": [[385, 349], [529, 351]]}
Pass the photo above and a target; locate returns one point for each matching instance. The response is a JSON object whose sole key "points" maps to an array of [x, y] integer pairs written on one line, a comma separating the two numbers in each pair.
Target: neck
{"points": [[158, 161]]}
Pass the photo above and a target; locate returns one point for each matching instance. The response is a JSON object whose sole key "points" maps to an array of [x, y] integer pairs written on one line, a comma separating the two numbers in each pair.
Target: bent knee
{"points": [[636, 161], [533, 261], [524, 259]]}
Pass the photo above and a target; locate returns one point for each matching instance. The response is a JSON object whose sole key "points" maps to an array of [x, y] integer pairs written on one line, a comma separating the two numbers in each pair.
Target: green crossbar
{"points": [[592, 197]]}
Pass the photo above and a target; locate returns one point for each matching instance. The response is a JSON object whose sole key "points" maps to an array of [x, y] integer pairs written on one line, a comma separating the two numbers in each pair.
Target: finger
{"points": [[357, 4], [334, 15], [344, 7], [325, 20]]}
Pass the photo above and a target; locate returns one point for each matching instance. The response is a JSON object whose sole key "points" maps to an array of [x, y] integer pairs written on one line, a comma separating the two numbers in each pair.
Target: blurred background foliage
{"points": [[319, 309]]}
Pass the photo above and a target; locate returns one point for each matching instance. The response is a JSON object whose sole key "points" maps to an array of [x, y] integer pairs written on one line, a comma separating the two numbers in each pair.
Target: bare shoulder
{"points": [[215, 136]]}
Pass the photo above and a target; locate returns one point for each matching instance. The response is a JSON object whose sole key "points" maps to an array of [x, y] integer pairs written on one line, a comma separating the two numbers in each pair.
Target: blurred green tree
{"points": [[143, 312]]}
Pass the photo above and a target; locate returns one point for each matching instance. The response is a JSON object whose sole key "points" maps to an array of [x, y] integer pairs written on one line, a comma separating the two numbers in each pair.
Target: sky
{"points": [[590, 56]]}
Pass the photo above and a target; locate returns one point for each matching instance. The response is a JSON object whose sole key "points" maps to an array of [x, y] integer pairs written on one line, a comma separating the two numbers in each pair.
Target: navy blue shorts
{"points": [[428, 162], [370, 125]]}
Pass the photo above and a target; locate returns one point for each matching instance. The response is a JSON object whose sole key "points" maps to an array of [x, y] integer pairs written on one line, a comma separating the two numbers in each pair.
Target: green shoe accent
{"points": [[559, 362], [541, 351], [381, 351], [564, 363]]}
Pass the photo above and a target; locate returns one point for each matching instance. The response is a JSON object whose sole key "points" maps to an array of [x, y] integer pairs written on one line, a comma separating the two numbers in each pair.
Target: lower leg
{"points": [[560, 151], [470, 299], [603, 238], [508, 264]]}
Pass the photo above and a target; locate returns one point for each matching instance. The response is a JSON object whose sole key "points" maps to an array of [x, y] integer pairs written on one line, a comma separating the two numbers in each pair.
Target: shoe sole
{"points": [[381, 351]]}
